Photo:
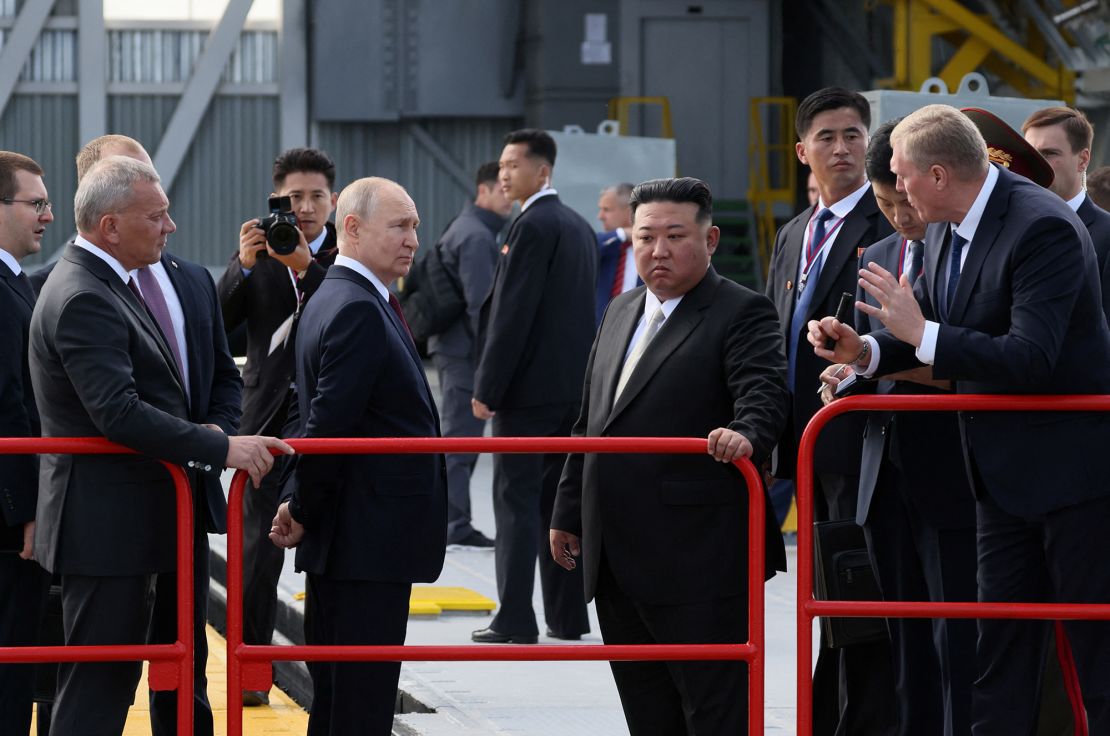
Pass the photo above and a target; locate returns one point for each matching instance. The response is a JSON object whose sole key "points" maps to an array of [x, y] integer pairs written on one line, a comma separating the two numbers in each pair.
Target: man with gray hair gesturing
{"points": [[366, 527], [1009, 303], [101, 365]]}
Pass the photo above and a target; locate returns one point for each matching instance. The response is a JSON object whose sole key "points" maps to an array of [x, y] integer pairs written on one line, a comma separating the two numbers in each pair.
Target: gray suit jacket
{"points": [[101, 367]]}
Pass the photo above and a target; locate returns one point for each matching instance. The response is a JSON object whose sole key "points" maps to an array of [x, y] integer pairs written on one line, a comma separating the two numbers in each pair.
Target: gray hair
{"points": [[108, 188], [942, 135], [623, 191], [360, 197]]}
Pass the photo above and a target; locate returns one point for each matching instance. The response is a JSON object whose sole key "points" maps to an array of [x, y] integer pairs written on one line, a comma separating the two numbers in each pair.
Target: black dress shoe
{"points": [[565, 637], [489, 636], [255, 698]]}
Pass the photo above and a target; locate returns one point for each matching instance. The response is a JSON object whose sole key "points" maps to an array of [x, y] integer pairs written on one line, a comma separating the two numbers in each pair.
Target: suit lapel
{"points": [[935, 242], [686, 316], [990, 225], [189, 308], [624, 325], [17, 286], [791, 260]]}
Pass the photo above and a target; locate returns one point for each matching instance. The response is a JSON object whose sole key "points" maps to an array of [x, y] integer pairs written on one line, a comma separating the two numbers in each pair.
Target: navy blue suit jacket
{"points": [[18, 416], [924, 446], [1026, 319], [608, 253], [381, 518]]}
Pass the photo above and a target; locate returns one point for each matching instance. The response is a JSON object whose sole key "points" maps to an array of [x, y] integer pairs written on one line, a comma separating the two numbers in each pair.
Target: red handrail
{"points": [[171, 665], [249, 666], [808, 608]]}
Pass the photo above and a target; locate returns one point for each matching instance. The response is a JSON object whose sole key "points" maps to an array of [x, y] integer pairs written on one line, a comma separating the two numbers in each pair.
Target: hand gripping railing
{"points": [[249, 666], [171, 665], [808, 608]]}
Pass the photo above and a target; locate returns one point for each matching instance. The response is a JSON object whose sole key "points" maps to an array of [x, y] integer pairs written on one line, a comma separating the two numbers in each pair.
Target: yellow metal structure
{"points": [[432, 600], [620, 107], [979, 44], [772, 165]]}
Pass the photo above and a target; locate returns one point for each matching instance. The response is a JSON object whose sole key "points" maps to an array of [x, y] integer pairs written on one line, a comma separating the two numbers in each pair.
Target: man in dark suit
{"points": [[24, 217], [1063, 136], [266, 292], [102, 364], [616, 269], [538, 324], [469, 251], [1009, 303], [814, 262], [915, 504], [215, 391], [663, 538], [366, 526]]}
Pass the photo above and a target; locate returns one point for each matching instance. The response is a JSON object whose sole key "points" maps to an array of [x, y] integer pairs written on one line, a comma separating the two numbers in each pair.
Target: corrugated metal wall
{"points": [[225, 178]]}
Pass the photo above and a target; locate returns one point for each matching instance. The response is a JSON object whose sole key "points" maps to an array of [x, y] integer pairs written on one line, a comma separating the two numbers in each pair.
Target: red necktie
{"points": [[618, 279], [400, 315]]}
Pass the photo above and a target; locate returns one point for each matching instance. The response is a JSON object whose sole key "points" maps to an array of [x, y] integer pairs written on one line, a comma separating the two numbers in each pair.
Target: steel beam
{"points": [[21, 39], [92, 72], [190, 109], [293, 74], [441, 156]]}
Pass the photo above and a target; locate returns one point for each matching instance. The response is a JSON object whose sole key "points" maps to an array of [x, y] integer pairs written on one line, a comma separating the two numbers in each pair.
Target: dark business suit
{"points": [[1097, 221], [23, 583], [609, 247], [1026, 319], [215, 390], [100, 366], [918, 513], [538, 324], [851, 688], [374, 524], [674, 555], [263, 300]]}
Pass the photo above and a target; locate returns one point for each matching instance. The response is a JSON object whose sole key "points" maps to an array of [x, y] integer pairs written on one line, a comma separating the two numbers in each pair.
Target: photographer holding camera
{"points": [[281, 261]]}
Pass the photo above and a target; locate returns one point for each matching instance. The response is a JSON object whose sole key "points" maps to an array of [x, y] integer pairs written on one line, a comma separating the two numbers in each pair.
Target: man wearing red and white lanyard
{"points": [[267, 291], [815, 260]]}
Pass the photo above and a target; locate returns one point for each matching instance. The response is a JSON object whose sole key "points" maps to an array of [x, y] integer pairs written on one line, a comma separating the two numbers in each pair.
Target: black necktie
{"points": [[25, 286], [913, 270]]}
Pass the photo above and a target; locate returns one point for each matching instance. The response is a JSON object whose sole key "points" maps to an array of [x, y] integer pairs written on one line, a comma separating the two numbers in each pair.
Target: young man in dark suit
{"points": [[1009, 303], [538, 324], [689, 355], [267, 291], [215, 393], [24, 215], [915, 505], [1063, 135], [366, 526], [814, 262], [102, 365]]}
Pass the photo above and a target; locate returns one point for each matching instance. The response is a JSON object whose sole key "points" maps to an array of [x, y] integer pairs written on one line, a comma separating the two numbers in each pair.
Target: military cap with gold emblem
{"points": [[1007, 148]]}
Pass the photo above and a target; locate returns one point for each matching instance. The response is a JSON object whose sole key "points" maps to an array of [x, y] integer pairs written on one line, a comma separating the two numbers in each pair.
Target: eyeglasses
{"points": [[40, 205]]}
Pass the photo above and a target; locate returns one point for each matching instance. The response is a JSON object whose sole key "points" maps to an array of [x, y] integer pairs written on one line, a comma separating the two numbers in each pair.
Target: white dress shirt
{"points": [[9, 260], [651, 303], [357, 267], [840, 209], [543, 192]]}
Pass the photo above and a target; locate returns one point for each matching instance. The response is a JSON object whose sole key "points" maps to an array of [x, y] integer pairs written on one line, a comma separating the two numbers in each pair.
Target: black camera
{"points": [[280, 226]]}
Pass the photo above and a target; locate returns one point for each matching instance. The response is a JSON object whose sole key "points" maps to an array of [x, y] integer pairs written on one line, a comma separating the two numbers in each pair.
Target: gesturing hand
{"points": [[898, 308]]}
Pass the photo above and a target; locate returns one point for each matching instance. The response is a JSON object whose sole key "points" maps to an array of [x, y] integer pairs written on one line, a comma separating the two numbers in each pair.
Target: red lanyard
{"points": [[902, 258], [812, 252]]}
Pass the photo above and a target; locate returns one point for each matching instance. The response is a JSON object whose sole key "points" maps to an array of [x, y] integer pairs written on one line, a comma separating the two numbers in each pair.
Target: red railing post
{"points": [[241, 657], [171, 665], [808, 608]]}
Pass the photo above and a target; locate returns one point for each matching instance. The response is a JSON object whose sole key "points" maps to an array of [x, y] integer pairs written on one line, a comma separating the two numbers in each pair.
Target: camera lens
{"points": [[283, 238]]}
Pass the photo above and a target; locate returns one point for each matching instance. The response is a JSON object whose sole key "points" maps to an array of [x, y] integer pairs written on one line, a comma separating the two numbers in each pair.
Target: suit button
{"points": [[191, 464], [208, 468]]}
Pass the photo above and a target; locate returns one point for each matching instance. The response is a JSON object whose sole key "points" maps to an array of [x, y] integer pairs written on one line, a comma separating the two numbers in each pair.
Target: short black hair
{"points": [[309, 160], [879, 152], [830, 98], [539, 143], [683, 189], [487, 172]]}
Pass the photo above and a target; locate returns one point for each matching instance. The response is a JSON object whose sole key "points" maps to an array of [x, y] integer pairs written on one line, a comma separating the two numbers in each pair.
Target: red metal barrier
{"points": [[171, 665], [249, 666], [808, 608]]}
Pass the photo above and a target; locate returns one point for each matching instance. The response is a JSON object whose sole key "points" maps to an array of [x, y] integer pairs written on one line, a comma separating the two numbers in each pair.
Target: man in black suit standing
{"points": [[24, 217], [1009, 303], [469, 251], [537, 328], [915, 504], [215, 390], [1063, 136], [267, 292], [366, 526], [103, 364], [815, 260], [690, 355]]}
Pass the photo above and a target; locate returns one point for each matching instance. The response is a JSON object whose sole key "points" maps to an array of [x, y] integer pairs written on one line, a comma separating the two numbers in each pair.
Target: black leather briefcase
{"points": [[843, 572]]}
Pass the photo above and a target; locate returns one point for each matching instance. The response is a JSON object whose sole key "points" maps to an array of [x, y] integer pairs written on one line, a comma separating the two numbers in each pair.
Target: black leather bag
{"points": [[843, 573]]}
